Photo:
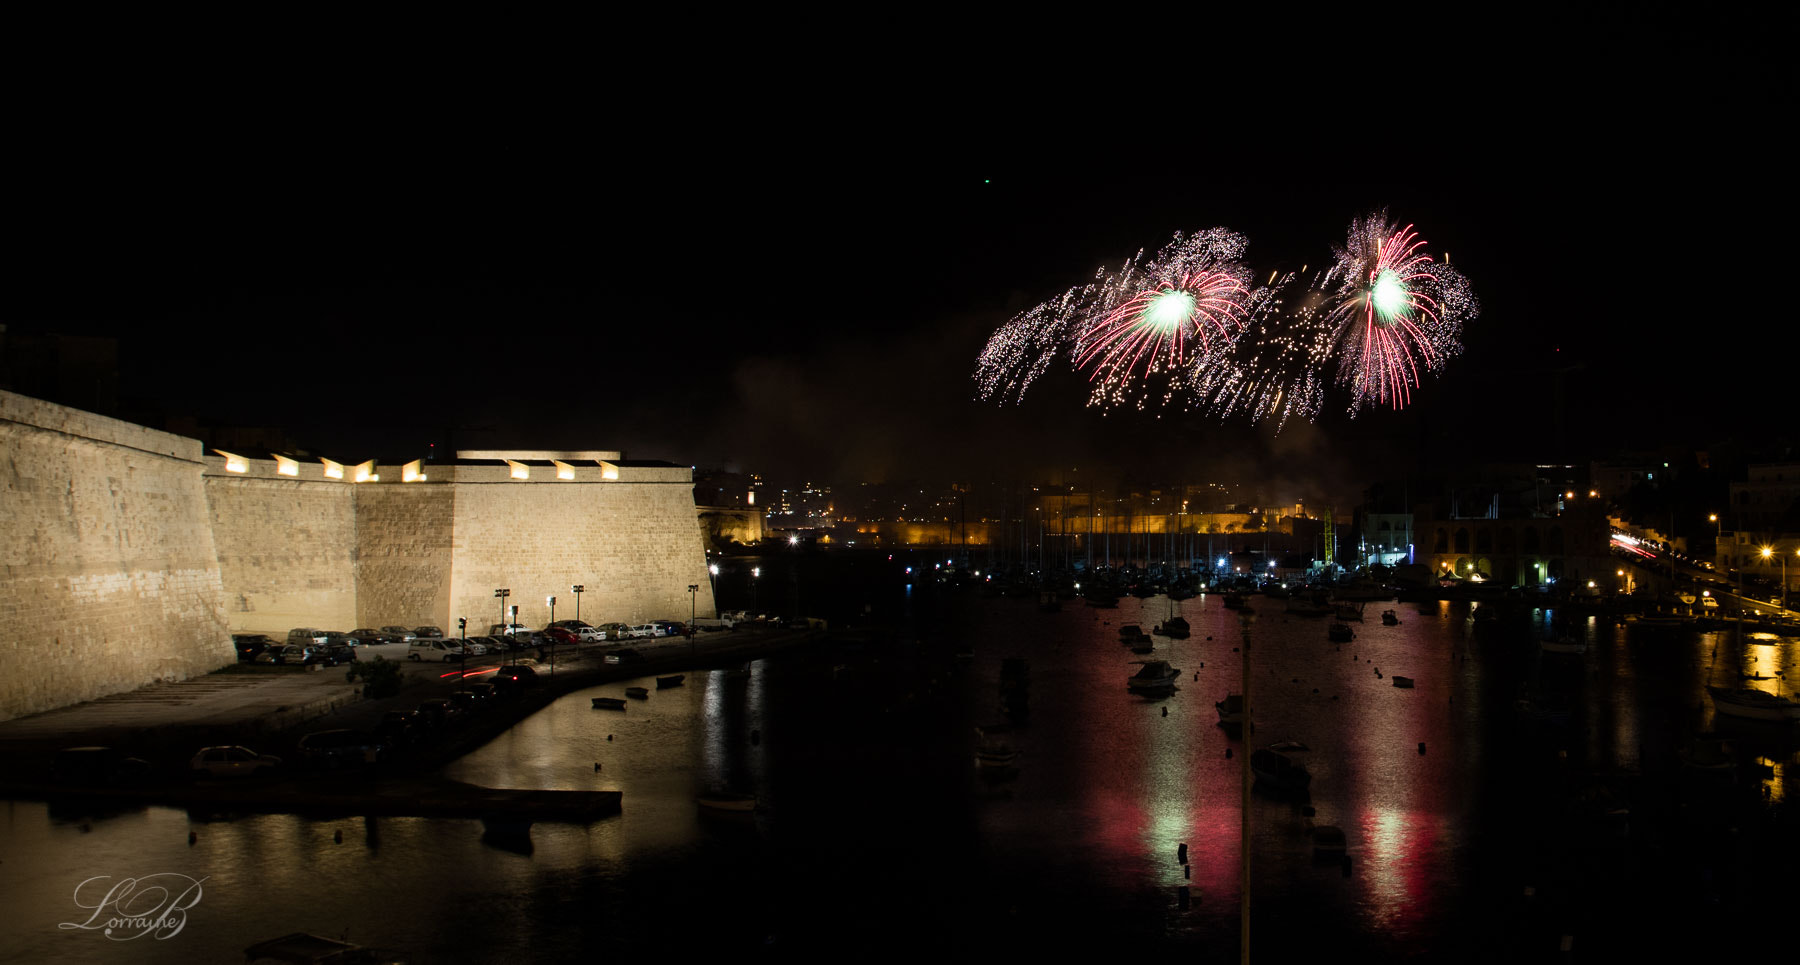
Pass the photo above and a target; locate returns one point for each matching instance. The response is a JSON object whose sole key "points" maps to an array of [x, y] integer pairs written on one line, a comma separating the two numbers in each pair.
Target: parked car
{"points": [[590, 635], [290, 655], [341, 748], [573, 626], [232, 762], [464, 700], [671, 628], [369, 636], [337, 652], [482, 689], [404, 634], [624, 655], [644, 630], [513, 677], [449, 651], [615, 631], [499, 644], [562, 636], [436, 712], [97, 765], [428, 633], [250, 644], [306, 636], [508, 630], [400, 727]]}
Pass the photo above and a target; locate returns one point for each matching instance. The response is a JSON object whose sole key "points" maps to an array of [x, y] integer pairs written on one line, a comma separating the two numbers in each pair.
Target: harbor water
{"points": [[1475, 831]]}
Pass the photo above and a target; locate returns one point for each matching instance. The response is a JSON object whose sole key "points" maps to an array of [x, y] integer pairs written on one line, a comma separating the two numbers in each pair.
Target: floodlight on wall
{"points": [[333, 470], [608, 470], [563, 469], [412, 472], [365, 472], [286, 466], [519, 470], [234, 462]]}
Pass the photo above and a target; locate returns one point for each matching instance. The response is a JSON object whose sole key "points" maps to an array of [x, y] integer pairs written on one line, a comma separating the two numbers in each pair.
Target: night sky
{"points": [[770, 296]]}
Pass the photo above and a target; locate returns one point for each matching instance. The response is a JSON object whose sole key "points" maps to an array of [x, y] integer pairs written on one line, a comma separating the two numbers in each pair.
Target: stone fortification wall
{"points": [[724, 525], [287, 547], [631, 541], [403, 552], [111, 574]]}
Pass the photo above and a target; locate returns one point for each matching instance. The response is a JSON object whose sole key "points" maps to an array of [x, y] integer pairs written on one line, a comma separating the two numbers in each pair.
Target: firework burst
{"points": [[1393, 310]]}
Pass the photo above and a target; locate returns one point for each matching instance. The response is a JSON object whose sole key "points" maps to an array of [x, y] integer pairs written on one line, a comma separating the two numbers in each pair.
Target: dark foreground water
{"points": [[876, 835]]}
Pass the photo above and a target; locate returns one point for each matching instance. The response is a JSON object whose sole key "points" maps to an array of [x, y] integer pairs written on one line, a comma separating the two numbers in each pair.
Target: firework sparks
{"points": [[1394, 311]]}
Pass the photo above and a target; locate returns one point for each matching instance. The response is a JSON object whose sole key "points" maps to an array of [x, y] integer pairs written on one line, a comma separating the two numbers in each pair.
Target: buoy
{"points": [[1187, 871], [1181, 853], [1296, 680], [1165, 711], [596, 767], [1227, 753], [338, 836], [1209, 638], [1334, 696], [1421, 748], [1196, 675], [1315, 690], [1530, 891], [609, 737], [85, 827], [1234, 650], [192, 837]]}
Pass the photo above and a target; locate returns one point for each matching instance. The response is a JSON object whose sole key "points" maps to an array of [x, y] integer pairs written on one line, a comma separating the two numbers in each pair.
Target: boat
{"points": [[1276, 771], [1130, 631], [304, 949], [1328, 842], [1288, 746], [1348, 611], [609, 703], [1231, 711], [733, 801], [1307, 608], [1102, 598], [1707, 755], [1174, 627], [1153, 676], [1340, 633], [1389, 619], [992, 749], [1234, 601], [1048, 602], [641, 693], [1403, 682], [1143, 647], [1754, 704], [672, 680], [1562, 645]]}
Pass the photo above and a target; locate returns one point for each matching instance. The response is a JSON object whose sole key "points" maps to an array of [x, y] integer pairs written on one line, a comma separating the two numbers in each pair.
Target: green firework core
{"points": [[1391, 300], [1169, 309]]}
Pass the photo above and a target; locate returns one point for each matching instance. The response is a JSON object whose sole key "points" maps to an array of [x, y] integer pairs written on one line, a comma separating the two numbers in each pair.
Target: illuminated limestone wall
{"points": [[286, 545], [112, 578], [633, 542], [403, 551]]}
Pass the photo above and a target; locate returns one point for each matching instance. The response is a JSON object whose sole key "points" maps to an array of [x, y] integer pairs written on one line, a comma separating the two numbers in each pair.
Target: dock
{"points": [[419, 798]]}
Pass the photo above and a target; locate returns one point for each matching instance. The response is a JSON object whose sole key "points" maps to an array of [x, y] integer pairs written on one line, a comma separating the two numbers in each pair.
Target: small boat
{"points": [[1340, 633], [1275, 770], [1234, 601], [1389, 619], [726, 801], [1143, 648], [1307, 608], [1288, 746], [1328, 842], [992, 750], [641, 693], [672, 680], [1756, 676], [1153, 676], [1754, 704], [1130, 630], [609, 703], [1348, 611], [1701, 754], [1403, 682], [1231, 711], [305, 949], [1562, 645], [1174, 627]]}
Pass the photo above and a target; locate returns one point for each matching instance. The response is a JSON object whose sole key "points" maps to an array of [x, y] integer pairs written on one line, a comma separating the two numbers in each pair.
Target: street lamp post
{"points": [[693, 603], [577, 588], [755, 575], [547, 627], [501, 595]]}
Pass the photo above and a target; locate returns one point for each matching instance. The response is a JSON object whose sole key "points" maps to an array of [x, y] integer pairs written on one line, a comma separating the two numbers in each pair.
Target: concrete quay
{"points": [[166, 724]]}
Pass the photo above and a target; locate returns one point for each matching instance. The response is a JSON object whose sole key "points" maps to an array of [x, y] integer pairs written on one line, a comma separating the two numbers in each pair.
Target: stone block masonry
{"points": [[131, 556], [112, 578]]}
